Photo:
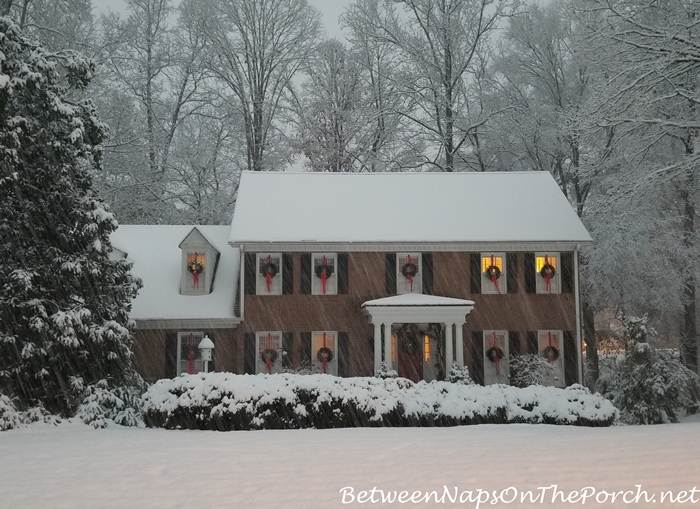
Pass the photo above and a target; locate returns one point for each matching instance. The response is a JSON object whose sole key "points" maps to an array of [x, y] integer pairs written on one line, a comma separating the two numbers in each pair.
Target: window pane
{"points": [[552, 260], [487, 261]]}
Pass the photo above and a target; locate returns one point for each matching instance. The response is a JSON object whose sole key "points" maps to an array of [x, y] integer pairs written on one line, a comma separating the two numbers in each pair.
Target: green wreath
{"points": [[550, 351], [492, 271], [409, 269], [320, 269], [269, 268], [195, 266], [268, 353], [494, 353], [548, 270], [324, 352]]}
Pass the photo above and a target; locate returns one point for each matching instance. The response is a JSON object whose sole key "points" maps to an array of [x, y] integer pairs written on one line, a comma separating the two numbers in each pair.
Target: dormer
{"points": [[198, 266]]}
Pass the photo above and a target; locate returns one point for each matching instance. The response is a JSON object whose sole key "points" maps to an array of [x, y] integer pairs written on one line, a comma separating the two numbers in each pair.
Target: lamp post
{"points": [[205, 348]]}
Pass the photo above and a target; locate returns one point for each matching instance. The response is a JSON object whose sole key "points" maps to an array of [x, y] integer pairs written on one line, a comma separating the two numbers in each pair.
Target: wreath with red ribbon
{"points": [[409, 270], [323, 272], [268, 271], [495, 354], [324, 353], [195, 266], [492, 272], [268, 354], [550, 353], [547, 272]]}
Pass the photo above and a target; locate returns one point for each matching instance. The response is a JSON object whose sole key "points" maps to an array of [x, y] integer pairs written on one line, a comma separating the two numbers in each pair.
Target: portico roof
{"points": [[417, 299], [417, 308]]}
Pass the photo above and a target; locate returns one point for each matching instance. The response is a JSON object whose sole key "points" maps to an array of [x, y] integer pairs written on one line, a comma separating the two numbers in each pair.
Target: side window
{"points": [[551, 346], [324, 352], [547, 275], [268, 274], [496, 369], [196, 277], [324, 274], [493, 273], [409, 273], [269, 352], [189, 358]]}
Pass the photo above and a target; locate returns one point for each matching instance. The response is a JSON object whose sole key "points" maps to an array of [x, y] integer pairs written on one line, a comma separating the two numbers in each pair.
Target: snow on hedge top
{"points": [[157, 260], [403, 207]]}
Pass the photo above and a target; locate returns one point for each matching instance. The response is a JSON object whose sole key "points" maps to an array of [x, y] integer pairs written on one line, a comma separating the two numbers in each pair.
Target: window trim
{"points": [[555, 282], [333, 367], [487, 286], [559, 363], [276, 281], [331, 282], [197, 337], [188, 286], [417, 281], [277, 365]]}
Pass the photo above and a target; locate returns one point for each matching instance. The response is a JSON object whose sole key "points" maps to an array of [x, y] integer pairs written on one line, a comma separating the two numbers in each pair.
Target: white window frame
{"points": [[188, 287], [557, 379], [555, 282], [487, 285], [402, 284], [316, 365], [331, 282], [260, 366], [260, 284], [197, 336], [503, 343]]}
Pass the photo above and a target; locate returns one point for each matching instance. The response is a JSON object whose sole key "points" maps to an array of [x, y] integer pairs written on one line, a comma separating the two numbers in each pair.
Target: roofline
{"points": [[351, 247]]}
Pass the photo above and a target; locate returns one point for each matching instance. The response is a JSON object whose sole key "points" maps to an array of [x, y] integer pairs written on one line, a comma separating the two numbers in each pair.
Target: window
{"points": [[268, 274], [324, 352], [324, 274], [196, 277], [493, 273], [550, 346], [409, 273], [393, 349], [268, 348], [189, 357], [426, 348], [496, 370], [547, 273]]}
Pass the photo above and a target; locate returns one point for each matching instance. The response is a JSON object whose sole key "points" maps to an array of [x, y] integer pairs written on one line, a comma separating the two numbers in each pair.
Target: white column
{"points": [[577, 300], [387, 345], [460, 345], [377, 346], [448, 347]]}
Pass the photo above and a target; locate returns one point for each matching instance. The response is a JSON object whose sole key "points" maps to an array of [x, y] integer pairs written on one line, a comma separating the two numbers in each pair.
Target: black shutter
{"points": [[475, 273], [287, 274], [249, 353], [570, 359], [478, 356], [512, 272], [391, 273], [288, 348], [170, 355], [305, 349], [343, 354], [513, 349], [427, 273], [250, 274], [305, 273], [533, 346], [530, 272], [342, 273], [567, 272]]}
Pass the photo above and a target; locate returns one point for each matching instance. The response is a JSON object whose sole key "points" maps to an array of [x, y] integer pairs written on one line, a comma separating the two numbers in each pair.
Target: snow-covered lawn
{"points": [[75, 466]]}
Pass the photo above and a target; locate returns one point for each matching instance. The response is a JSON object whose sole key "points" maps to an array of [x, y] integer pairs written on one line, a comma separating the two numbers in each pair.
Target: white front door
{"points": [[496, 357], [551, 347]]}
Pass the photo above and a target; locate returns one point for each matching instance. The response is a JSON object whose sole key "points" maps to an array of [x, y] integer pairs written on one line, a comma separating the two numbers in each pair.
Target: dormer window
{"points": [[409, 273], [493, 273], [269, 274], [547, 273], [324, 280], [199, 260], [196, 264]]}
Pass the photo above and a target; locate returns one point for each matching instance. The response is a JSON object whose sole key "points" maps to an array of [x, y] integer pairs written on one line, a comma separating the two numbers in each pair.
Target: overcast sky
{"points": [[330, 10]]}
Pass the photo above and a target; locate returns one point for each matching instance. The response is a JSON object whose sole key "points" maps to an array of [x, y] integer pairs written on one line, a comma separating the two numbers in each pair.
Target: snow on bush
{"points": [[102, 404], [459, 375], [530, 369], [224, 401], [12, 418]]}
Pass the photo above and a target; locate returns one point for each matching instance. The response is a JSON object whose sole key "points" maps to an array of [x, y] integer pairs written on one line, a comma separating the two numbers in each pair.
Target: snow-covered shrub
{"points": [[102, 403], [384, 372], [11, 417], [649, 386], [224, 401], [529, 369], [459, 375]]}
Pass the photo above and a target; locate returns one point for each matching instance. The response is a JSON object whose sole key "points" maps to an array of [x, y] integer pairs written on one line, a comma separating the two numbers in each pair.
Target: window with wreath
{"points": [[551, 346], [189, 357], [268, 274], [324, 350], [496, 370], [269, 352], [493, 273], [409, 273], [547, 274], [324, 274], [195, 280]]}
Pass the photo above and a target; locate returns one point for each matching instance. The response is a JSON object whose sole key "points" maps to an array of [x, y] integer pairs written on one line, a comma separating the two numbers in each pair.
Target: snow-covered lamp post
{"points": [[205, 348]]}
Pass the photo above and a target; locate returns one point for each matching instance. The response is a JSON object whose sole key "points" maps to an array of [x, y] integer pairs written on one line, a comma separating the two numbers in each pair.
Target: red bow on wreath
{"points": [[324, 277]]}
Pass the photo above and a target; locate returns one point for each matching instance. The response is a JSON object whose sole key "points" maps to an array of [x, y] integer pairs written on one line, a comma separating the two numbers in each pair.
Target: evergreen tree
{"points": [[63, 303]]}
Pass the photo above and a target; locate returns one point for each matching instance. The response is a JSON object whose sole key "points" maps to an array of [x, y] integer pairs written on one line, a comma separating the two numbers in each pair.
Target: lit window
{"points": [[547, 273], [426, 347], [393, 348], [324, 274], [493, 273], [325, 353], [409, 273], [195, 279], [189, 358], [269, 352], [269, 274]]}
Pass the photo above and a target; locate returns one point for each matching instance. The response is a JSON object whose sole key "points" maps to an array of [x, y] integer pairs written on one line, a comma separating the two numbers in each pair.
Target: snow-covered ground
{"points": [[75, 466]]}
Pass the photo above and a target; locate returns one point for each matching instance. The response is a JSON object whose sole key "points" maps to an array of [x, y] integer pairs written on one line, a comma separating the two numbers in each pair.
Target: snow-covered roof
{"points": [[418, 299], [403, 208], [158, 262]]}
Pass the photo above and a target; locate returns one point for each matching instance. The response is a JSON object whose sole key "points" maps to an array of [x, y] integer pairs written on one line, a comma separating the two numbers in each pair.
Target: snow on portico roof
{"points": [[157, 260], [474, 207], [417, 299]]}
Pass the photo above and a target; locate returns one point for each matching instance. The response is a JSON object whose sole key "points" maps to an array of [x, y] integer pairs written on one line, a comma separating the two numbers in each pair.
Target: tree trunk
{"points": [[689, 326], [5, 6], [591, 345]]}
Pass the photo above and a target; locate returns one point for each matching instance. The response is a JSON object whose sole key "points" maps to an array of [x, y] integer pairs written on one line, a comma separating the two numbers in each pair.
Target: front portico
{"points": [[415, 308]]}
